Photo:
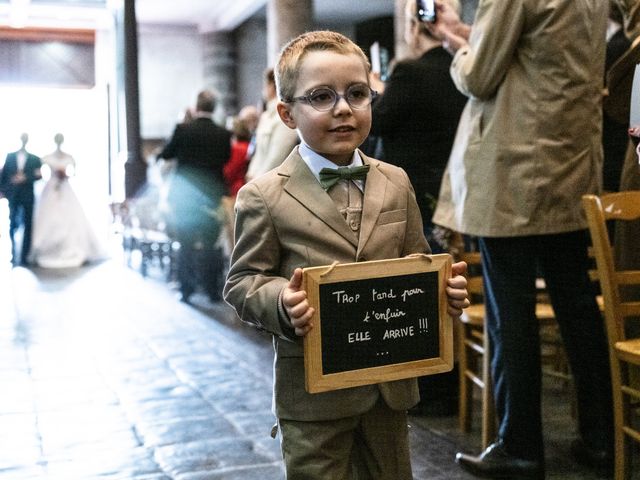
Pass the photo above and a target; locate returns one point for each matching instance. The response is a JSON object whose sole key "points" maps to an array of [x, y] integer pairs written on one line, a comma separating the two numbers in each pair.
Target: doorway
{"points": [[81, 116]]}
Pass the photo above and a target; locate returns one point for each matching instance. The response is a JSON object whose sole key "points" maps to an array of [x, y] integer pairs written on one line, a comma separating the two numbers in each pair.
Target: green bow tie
{"points": [[330, 176]]}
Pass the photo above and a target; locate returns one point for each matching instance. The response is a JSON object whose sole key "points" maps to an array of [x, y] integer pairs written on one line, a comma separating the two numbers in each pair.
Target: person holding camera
{"points": [[418, 129], [527, 148]]}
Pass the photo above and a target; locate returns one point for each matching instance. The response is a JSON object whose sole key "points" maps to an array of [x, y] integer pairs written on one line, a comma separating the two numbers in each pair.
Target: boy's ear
{"points": [[284, 111]]}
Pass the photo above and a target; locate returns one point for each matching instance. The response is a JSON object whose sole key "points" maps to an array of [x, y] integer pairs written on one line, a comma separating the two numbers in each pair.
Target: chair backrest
{"points": [[474, 274], [621, 206]]}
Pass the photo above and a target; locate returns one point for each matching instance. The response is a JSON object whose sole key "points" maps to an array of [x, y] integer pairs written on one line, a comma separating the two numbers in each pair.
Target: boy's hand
{"points": [[18, 178], [295, 303], [457, 289]]}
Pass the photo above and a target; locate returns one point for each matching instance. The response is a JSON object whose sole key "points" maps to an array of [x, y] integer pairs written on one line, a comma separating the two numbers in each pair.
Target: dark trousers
{"points": [[199, 263], [510, 267], [20, 213]]}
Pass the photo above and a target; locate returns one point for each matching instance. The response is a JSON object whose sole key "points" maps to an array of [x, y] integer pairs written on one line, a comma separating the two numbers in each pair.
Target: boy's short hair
{"points": [[292, 54]]}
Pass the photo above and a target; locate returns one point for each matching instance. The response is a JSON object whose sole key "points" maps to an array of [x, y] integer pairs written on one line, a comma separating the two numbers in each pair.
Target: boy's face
{"points": [[336, 133]]}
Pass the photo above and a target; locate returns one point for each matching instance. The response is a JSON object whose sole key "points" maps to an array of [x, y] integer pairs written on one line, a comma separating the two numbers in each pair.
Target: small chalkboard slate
{"points": [[377, 321]]}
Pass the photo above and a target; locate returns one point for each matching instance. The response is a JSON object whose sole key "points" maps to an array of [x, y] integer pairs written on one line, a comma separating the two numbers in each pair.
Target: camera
{"points": [[426, 10]]}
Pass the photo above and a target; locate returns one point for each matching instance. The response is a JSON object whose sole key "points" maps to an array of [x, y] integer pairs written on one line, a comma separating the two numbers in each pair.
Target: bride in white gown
{"points": [[62, 234]]}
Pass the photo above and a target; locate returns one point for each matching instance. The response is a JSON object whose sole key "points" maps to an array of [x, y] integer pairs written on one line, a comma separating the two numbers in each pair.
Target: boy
{"points": [[286, 220]]}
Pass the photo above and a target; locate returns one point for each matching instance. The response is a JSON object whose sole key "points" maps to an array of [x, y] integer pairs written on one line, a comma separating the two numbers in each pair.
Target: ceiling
{"points": [[206, 15]]}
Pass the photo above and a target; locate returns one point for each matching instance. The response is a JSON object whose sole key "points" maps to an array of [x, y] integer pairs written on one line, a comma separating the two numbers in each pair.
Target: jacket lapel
{"points": [[306, 189], [12, 163], [374, 194]]}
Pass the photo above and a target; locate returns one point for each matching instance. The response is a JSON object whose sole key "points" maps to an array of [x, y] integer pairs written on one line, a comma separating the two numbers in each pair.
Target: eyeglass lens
{"points": [[357, 96]]}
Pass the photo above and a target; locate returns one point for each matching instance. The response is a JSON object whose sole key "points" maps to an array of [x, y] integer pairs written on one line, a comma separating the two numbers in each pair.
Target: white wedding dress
{"points": [[62, 234]]}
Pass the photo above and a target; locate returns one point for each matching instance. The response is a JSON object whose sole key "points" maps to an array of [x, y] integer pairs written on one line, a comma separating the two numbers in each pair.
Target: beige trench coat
{"points": [[528, 145]]}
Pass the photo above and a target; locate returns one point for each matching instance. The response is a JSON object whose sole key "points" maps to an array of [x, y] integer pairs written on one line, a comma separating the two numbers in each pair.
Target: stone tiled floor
{"points": [[105, 375]]}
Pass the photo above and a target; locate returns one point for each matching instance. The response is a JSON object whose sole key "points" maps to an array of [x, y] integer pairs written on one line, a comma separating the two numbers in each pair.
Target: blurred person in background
{"points": [[620, 80], [201, 148], [234, 172], [62, 234], [274, 140], [21, 170]]}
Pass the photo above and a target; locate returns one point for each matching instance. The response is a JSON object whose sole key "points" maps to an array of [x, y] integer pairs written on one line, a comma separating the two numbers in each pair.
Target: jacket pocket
{"points": [[392, 216]]}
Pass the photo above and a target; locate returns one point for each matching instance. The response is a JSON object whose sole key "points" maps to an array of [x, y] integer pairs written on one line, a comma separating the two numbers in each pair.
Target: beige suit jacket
{"points": [[285, 220]]}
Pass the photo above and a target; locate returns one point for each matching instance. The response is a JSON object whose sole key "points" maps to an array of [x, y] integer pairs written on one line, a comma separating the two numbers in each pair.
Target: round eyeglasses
{"points": [[325, 98]]}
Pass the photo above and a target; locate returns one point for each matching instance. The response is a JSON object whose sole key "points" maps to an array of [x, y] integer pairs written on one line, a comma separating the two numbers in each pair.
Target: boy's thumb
{"points": [[296, 279]]}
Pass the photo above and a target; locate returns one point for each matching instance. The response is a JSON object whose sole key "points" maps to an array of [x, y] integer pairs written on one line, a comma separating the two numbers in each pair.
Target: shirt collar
{"points": [[21, 159], [317, 162]]}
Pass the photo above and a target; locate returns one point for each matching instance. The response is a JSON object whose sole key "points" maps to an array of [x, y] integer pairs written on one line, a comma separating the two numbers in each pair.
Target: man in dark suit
{"points": [[201, 149], [21, 169], [416, 116]]}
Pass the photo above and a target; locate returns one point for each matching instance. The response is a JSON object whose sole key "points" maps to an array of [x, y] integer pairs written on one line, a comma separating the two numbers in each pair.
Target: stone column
{"points": [[135, 170], [219, 72], [286, 19]]}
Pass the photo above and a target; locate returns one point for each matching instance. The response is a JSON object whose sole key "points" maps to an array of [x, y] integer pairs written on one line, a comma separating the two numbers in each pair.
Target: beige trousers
{"points": [[371, 446]]}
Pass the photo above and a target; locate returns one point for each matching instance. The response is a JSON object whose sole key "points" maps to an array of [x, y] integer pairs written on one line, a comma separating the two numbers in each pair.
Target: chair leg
{"points": [[622, 413], [624, 445], [620, 456], [465, 398]]}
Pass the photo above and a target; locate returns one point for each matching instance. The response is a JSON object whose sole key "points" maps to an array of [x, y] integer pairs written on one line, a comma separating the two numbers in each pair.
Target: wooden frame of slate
{"points": [[377, 321]]}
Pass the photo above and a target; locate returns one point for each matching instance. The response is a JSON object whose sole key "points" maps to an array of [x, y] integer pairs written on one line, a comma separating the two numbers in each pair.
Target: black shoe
{"points": [[600, 460], [215, 297], [495, 462], [185, 295]]}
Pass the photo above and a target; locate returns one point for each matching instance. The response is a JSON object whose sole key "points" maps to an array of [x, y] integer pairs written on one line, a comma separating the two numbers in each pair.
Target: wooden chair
{"points": [[624, 353], [144, 231], [473, 364], [473, 345]]}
